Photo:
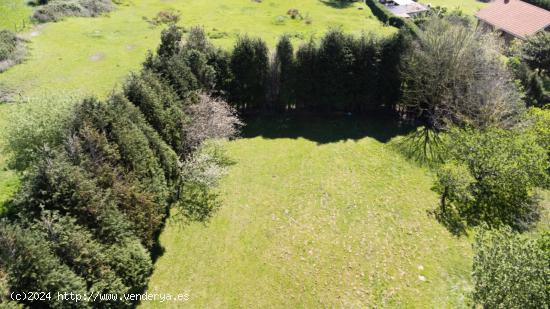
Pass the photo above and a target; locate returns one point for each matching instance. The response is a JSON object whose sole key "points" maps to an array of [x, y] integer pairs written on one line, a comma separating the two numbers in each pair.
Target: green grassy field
{"points": [[316, 214], [93, 54], [467, 6], [14, 14]]}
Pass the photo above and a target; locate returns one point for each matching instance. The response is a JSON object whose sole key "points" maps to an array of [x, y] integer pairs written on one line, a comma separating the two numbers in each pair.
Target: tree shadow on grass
{"points": [[326, 128], [337, 4], [451, 221]]}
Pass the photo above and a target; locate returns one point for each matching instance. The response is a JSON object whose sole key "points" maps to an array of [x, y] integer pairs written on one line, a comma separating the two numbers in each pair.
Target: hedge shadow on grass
{"points": [[325, 129]]}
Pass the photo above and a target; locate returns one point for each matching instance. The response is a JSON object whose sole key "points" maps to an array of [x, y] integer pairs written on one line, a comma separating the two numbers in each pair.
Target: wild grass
{"points": [[316, 213], [469, 7], [15, 15], [91, 55]]}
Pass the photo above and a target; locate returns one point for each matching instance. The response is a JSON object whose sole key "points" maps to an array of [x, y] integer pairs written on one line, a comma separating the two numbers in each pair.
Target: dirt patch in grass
{"points": [[97, 57]]}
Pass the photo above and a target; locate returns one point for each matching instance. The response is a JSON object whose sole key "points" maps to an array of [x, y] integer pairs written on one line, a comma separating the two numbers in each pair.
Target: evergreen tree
{"points": [[249, 64]]}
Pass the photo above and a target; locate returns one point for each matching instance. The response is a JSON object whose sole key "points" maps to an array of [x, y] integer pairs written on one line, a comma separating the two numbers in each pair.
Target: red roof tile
{"points": [[516, 17]]}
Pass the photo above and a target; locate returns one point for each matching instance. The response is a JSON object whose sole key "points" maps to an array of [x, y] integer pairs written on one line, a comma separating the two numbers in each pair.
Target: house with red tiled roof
{"points": [[514, 18]]}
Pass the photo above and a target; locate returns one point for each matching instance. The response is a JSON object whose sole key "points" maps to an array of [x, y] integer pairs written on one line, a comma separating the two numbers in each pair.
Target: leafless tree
{"points": [[210, 118], [455, 75]]}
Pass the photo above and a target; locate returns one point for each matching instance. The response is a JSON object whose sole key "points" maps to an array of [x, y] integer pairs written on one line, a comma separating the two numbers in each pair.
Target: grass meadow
{"points": [[316, 214], [467, 6], [15, 14], [92, 55]]}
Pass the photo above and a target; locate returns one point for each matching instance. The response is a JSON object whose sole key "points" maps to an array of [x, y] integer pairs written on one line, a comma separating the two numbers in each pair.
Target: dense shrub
{"points": [[545, 4], [537, 122], [491, 177], [453, 75], [40, 121], [510, 271], [249, 65], [12, 50], [8, 43], [55, 10], [530, 82], [536, 52], [31, 265]]}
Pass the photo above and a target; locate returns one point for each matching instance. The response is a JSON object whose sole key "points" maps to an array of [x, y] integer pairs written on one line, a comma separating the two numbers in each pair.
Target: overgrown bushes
{"points": [[510, 270], [491, 177], [55, 10], [12, 50], [453, 75]]}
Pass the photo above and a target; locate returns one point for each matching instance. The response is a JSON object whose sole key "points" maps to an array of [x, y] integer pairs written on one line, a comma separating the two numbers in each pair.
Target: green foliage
{"points": [[285, 64], [249, 65], [530, 81], [492, 176], [31, 265], [36, 124], [536, 51], [545, 4], [8, 43], [538, 122], [160, 105], [510, 271]]}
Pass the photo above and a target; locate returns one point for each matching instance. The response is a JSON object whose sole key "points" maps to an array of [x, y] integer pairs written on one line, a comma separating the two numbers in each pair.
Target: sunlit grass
{"points": [[92, 55], [467, 6], [14, 14], [305, 224]]}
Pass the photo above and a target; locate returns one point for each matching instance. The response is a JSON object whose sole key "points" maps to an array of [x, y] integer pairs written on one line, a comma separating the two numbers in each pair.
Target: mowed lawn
{"points": [[312, 218], [92, 55]]}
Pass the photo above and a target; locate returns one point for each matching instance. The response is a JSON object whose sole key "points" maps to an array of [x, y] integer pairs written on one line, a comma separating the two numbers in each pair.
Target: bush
{"points": [[510, 271], [536, 51], [453, 75], [12, 50], [491, 177], [537, 121], [385, 16], [8, 43], [210, 119], [36, 124], [55, 10]]}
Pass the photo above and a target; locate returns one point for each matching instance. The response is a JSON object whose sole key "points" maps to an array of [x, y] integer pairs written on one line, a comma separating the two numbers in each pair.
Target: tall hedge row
{"points": [[341, 73], [92, 202]]}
